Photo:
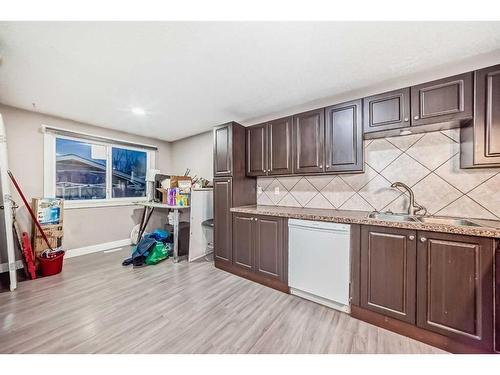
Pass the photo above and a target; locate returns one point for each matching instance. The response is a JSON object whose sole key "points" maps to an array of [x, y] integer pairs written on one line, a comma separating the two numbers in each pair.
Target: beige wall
{"points": [[195, 153], [82, 227]]}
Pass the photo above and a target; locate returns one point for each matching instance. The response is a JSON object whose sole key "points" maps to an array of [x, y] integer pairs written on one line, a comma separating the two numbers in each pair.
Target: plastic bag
{"points": [[158, 235], [159, 253]]}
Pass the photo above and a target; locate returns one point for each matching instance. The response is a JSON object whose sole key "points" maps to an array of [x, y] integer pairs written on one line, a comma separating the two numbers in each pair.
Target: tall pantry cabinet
{"points": [[231, 186]]}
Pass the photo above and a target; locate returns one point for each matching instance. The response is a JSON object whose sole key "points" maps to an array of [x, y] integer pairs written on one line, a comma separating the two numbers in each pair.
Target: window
{"points": [[80, 170], [86, 172], [129, 172]]}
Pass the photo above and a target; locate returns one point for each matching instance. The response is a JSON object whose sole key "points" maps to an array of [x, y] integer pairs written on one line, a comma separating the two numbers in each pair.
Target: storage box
{"points": [[50, 215], [183, 182], [174, 197], [54, 234], [48, 211]]}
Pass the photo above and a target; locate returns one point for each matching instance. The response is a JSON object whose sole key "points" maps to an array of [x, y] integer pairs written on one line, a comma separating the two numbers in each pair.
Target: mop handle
{"points": [[29, 210]]}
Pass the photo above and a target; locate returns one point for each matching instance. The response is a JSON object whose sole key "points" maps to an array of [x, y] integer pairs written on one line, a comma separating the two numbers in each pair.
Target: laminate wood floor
{"points": [[97, 306]]}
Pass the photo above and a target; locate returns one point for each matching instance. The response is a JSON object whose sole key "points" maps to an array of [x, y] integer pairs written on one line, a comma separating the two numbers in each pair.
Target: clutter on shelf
{"points": [[175, 190]]}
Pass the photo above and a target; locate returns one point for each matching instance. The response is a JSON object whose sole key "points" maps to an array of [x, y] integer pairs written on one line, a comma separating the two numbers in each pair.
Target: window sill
{"points": [[73, 205]]}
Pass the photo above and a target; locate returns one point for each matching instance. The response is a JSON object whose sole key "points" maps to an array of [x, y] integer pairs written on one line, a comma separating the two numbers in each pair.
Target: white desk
{"points": [[146, 215]]}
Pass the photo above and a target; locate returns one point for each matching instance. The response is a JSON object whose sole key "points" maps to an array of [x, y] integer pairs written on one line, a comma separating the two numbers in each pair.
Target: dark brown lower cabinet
{"points": [[438, 288], [242, 241], [455, 287], [223, 201], [388, 266], [259, 249], [497, 297], [269, 247]]}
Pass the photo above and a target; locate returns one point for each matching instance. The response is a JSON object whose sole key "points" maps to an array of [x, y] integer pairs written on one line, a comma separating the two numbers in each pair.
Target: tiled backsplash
{"points": [[429, 163]]}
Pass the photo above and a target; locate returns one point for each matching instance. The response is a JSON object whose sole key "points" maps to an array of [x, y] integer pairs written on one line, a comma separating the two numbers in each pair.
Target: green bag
{"points": [[159, 253]]}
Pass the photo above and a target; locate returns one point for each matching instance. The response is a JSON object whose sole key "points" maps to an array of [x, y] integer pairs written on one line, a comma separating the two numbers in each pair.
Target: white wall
{"points": [[82, 227], [195, 153]]}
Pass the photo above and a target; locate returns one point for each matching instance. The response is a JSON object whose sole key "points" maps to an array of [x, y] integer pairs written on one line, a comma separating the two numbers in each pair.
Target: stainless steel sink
{"points": [[391, 217], [441, 220]]}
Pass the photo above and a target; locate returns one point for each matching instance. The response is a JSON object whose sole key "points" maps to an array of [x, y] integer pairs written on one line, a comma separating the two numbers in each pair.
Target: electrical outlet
{"points": [[277, 190]]}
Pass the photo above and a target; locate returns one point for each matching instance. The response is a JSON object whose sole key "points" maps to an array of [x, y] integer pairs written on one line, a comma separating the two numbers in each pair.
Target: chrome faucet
{"points": [[413, 208]]}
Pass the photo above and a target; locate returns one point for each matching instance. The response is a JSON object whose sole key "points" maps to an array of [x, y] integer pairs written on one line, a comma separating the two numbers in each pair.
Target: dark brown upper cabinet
{"points": [[344, 137], [256, 150], [387, 111], [269, 148], [229, 150], [480, 139], [308, 141], [223, 144], [455, 287], [388, 271], [279, 146], [442, 101], [223, 201]]}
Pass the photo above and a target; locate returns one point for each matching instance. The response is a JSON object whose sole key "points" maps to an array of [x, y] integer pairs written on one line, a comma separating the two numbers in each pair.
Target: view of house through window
{"points": [[82, 171], [129, 173], [78, 175]]}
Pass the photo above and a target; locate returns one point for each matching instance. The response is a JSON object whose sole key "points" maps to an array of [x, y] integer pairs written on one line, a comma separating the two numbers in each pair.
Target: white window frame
{"points": [[49, 175]]}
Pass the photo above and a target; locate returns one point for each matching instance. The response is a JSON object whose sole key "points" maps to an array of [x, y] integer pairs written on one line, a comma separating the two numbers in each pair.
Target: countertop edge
{"points": [[358, 218]]}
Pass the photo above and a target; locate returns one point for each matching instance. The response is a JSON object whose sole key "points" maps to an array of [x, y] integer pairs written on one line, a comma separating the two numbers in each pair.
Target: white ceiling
{"points": [[190, 76]]}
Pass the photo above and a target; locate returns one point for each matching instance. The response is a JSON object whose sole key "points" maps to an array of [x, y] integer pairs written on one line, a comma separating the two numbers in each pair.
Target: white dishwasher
{"points": [[319, 262]]}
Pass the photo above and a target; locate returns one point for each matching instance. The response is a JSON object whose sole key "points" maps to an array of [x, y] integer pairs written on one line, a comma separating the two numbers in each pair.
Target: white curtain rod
{"points": [[97, 138]]}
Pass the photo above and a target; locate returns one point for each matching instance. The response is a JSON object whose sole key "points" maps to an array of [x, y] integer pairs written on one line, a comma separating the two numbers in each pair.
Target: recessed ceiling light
{"points": [[138, 111]]}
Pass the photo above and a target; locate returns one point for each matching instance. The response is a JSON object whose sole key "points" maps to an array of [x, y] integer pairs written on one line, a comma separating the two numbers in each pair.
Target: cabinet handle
{"points": [[411, 238], [327, 166], [416, 117], [406, 119], [321, 166], [423, 239]]}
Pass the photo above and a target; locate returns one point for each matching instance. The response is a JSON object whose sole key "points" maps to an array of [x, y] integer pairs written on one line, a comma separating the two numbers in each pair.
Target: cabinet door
{"points": [[222, 219], [280, 146], [308, 141], [497, 297], [455, 287], [481, 139], [223, 144], [388, 271], [444, 100], [390, 110], [344, 138], [242, 240], [269, 246], [256, 150]]}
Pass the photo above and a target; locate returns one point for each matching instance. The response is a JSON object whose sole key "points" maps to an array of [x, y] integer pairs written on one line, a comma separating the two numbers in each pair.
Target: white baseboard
{"points": [[97, 248], [4, 267], [322, 301]]}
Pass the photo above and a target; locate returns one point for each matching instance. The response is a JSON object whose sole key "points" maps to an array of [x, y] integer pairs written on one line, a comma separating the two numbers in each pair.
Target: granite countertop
{"points": [[487, 228]]}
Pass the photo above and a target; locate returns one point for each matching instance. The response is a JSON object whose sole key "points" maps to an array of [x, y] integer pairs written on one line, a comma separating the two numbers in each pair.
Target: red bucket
{"points": [[51, 266]]}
